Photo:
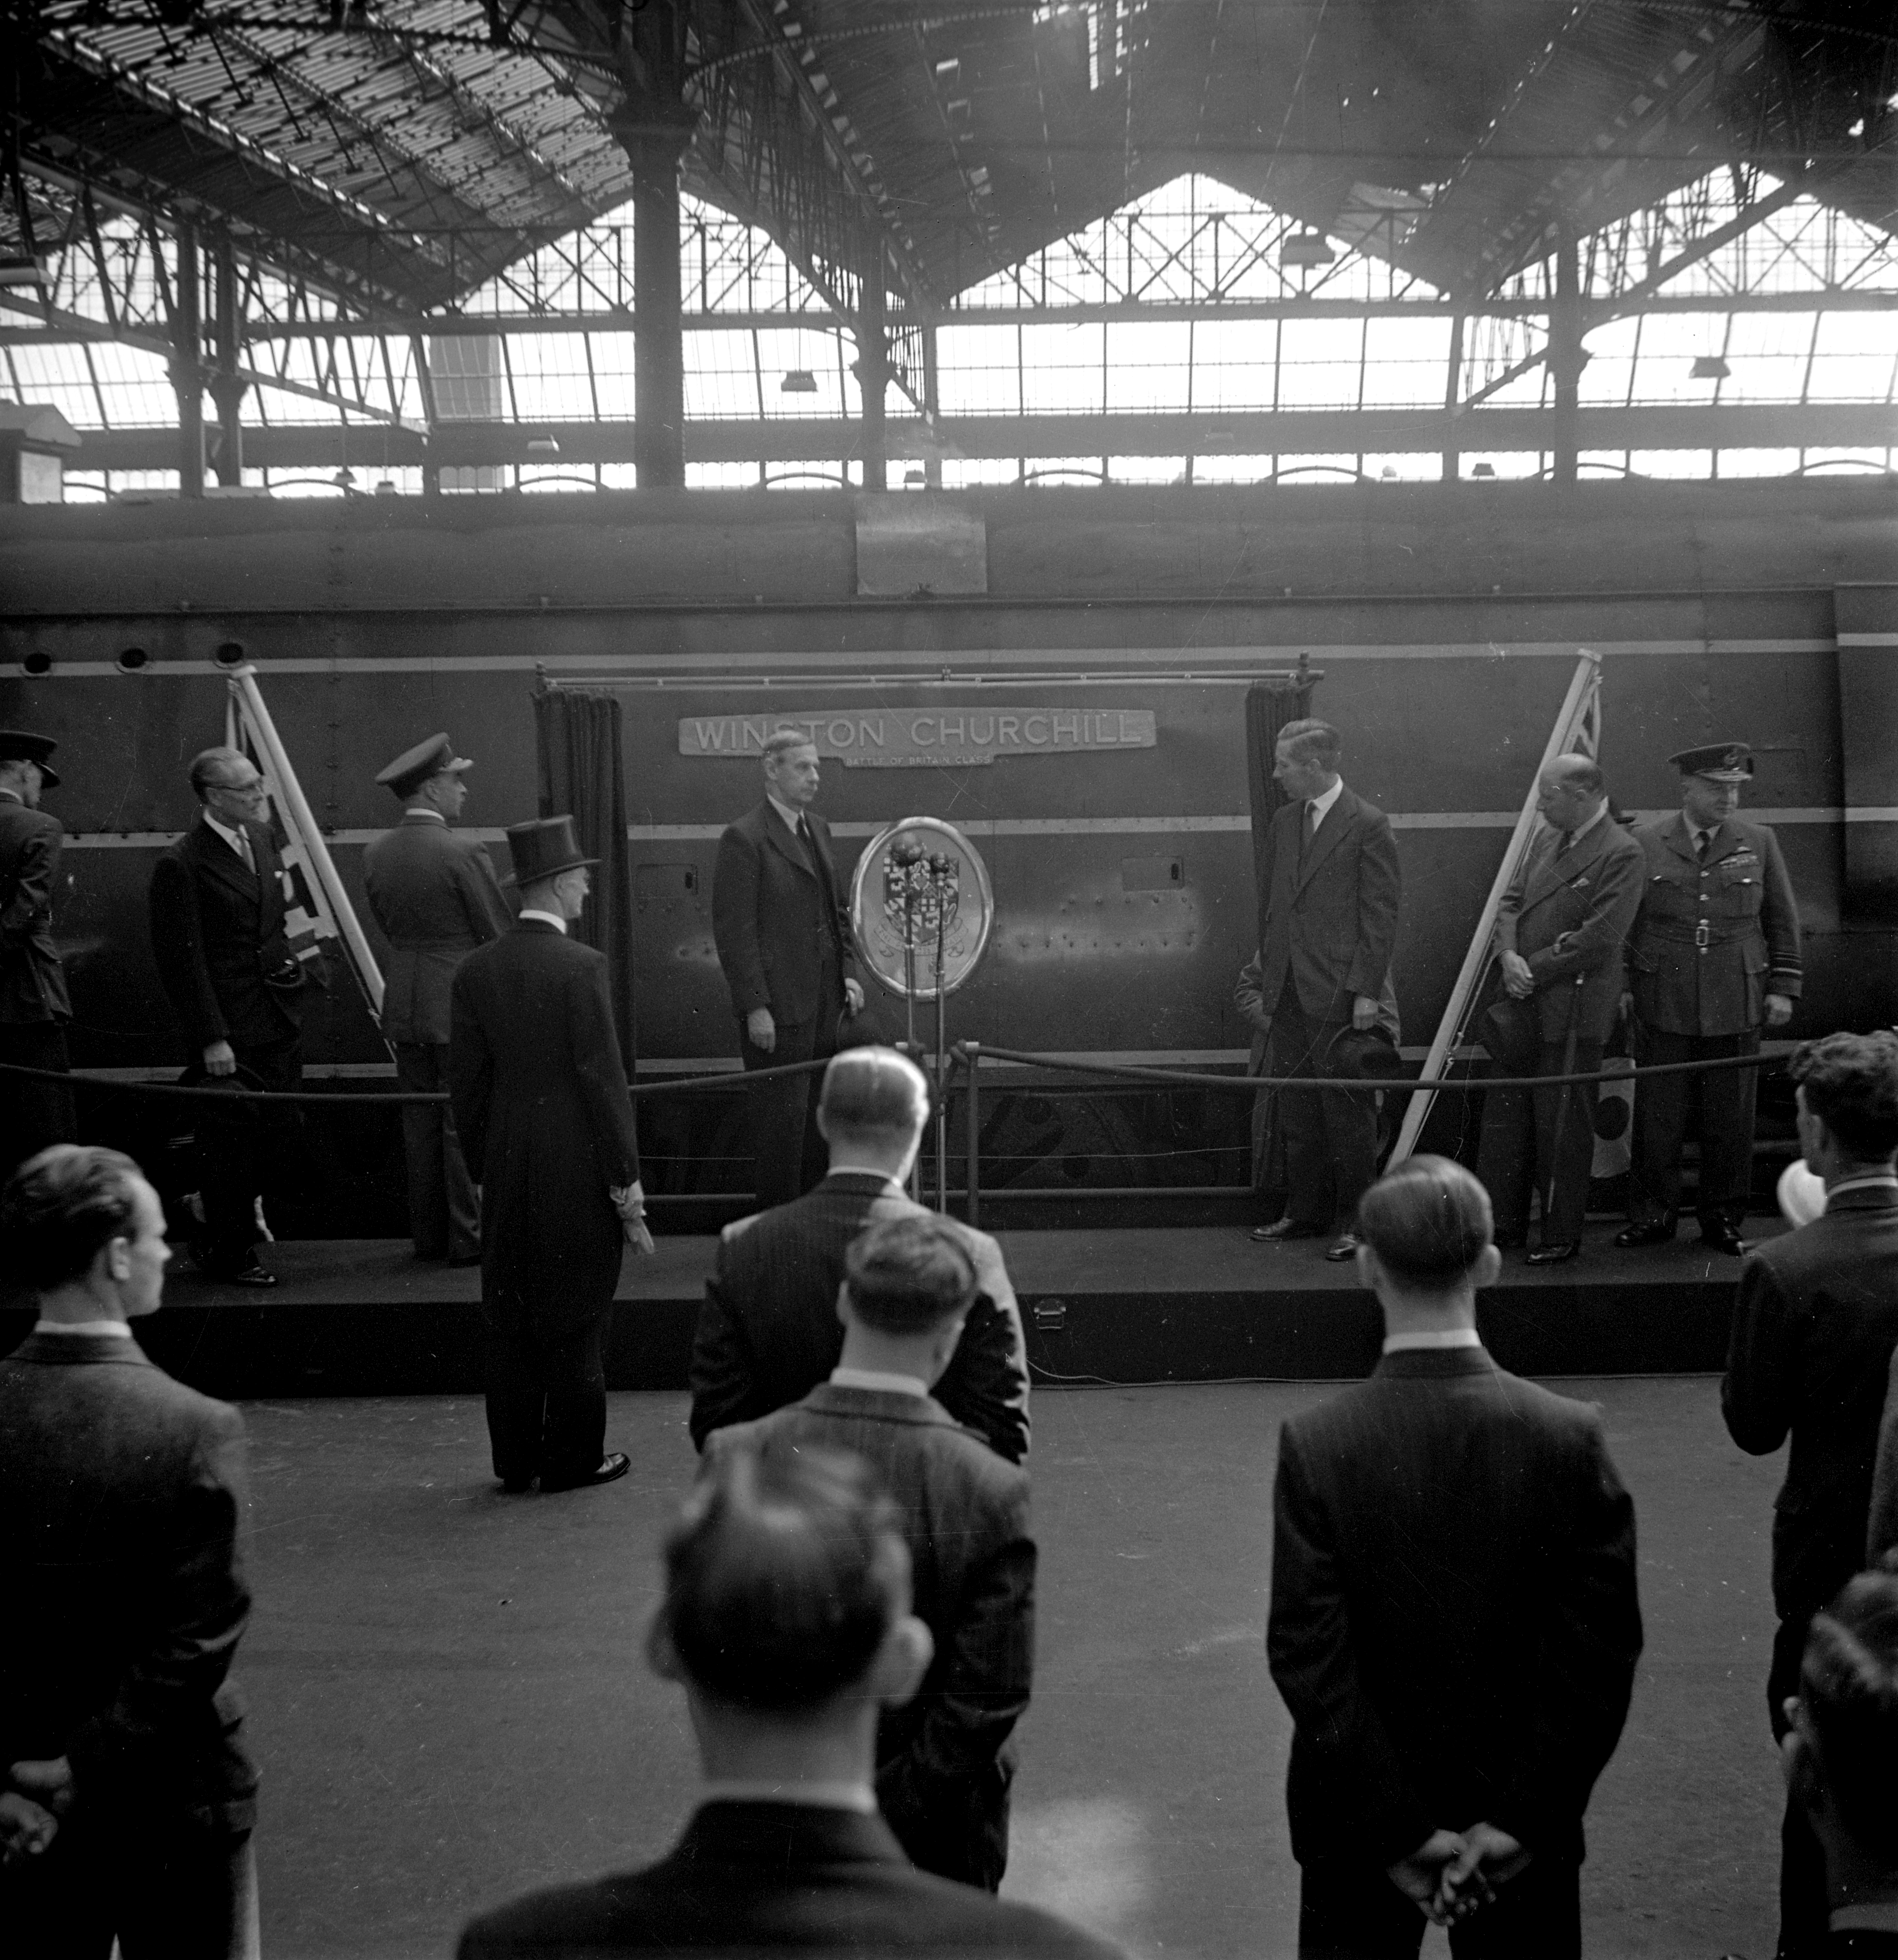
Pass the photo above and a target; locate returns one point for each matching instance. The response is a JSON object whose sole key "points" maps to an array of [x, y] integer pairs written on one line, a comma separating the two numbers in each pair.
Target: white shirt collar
{"points": [[1432, 1337], [117, 1328], [1322, 804], [875, 1379], [546, 918], [225, 831], [841, 1170], [857, 1797], [423, 816], [1575, 836], [1875, 1916], [792, 817]]}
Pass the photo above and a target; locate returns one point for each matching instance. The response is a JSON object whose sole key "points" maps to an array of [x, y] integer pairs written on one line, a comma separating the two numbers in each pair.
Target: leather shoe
{"points": [[1345, 1248], [516, 1487], [1554, 1255], [1656, 1232], [1722, 1238], [1286, 1228], [252, 1275], [612, 1468]]}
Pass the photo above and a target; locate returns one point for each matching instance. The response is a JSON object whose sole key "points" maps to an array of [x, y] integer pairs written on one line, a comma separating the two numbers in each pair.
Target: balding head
{"points": [[1570, 790], [874, 1105]]}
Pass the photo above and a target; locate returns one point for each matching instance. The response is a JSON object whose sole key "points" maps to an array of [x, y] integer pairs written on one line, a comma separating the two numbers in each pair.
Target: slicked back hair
{"points": [[781, 741], [1428, 1221], [1852, 1082], [208, 764], [1313, 742], [784, 1573], [62, 1209], [1848, 1688], [873, 1091], [910, 1275]]}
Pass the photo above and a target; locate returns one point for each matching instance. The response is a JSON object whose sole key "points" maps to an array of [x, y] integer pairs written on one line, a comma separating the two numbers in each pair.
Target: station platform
{"points": [[1109, 1306]]}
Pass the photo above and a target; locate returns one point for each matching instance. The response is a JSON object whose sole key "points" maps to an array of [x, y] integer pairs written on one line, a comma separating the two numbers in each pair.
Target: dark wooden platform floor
{"points": [[356, 1316]]}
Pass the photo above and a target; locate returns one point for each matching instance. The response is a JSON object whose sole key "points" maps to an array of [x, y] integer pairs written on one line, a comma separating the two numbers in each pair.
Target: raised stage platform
{"points": [[1125, 1305]]}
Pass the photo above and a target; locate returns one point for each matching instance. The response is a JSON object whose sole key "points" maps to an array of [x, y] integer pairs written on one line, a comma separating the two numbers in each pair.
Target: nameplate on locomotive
{"points": [[897, 738]]}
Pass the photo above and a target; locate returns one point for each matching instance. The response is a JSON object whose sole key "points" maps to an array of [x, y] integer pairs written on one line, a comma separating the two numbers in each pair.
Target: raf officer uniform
{"points": [[782, 926], [34, 1008], [435, 897], [1717, 932]]}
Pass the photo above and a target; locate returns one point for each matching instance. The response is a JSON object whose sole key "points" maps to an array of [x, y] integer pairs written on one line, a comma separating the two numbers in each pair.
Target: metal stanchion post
{"points": [[971, 1122]]}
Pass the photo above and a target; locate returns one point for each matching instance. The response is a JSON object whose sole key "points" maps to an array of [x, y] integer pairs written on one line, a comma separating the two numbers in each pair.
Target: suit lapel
{"points": [[1679, 839], [1330, 833], [787, 845], [223, 863], [1729, 842], [1553, 873]]}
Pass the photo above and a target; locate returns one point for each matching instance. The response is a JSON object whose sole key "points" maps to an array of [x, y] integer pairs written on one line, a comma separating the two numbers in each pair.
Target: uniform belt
{"points": [[1702, 935]]}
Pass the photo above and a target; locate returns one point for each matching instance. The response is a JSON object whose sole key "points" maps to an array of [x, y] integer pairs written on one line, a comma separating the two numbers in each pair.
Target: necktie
{"points": [[245, 852], [1567, 837], [1701, 839]]}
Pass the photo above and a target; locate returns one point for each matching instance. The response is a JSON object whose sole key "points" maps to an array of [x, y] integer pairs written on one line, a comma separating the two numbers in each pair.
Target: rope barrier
{"points": [[1250, 1085]]}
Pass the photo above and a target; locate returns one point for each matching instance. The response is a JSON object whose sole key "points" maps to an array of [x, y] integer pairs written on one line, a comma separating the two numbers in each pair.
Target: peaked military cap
{"points": [[1718, 761], [16, 746], [413, 767]]}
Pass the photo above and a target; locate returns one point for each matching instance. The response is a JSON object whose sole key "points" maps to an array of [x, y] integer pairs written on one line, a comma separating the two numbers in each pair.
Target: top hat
{"points": [[1718, 761], [413, 767], [16, 746], [543, 849]]}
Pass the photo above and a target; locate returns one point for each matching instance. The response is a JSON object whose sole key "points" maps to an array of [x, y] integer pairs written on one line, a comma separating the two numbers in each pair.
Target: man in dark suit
{"points": [[435, 895], [786, 1619], [1841, 1742], [1453, 1622], [216, 907], [540, 1101], [780, 921], [1560, 937], [1332, 887], [34, 1009], [1714, 956], [944, 1759], [768, 1331], [122, 1503], [1815, 1326]]}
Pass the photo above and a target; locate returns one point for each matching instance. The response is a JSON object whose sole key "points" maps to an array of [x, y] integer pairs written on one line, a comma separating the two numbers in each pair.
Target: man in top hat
{"points": [[540, 1099], [217, 912], [436, 897], [1714, 956], [780, 921], [33, 1007]]}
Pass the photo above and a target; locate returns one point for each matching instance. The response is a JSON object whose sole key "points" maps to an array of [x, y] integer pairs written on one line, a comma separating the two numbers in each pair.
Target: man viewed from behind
{"points": [[1453, 1622], [1841, 1742], [1332, 883], [768, 1332], [787, 1621], [121, 1502], [1815, 1325], [34, 1005], [944, 1762]]}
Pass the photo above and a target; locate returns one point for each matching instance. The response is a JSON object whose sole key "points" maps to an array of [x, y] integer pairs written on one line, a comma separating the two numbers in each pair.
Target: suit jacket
{"points": [[942, 1776], [540, 1099], [1331, 907], [122, 1503], [1881, 1521], [751, 1878], [33, 983], [773, 914], [1815, 1323], [217, 933], [435, 897], [1453, 1621], [768, 1332], [1743, 898], [1569, 916]]}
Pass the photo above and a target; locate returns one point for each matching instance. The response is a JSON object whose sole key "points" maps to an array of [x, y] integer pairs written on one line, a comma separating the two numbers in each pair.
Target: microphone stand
{"points": [[938, 879]]}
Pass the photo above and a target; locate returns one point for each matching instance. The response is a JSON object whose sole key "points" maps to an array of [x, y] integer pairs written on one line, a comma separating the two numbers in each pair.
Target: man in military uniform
{"points": [[1714, 954], [33, 1007], [436, 897]]}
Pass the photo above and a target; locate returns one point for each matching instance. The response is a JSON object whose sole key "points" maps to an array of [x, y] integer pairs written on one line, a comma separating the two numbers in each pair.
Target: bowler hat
{"points": [[1718, 761], [16, 746], [413, 767], [543, 849]]}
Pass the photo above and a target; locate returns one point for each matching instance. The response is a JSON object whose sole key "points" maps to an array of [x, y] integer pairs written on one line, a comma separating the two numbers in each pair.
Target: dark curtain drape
{"points": [[1269, 705], [577, 735]]}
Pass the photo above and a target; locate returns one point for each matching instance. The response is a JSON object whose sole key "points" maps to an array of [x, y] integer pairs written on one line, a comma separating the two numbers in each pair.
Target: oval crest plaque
{"points": [[920, 888]]}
